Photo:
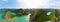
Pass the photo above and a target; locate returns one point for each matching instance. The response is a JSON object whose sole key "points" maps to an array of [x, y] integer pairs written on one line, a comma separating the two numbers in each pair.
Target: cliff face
{"points": [[7, 16]]}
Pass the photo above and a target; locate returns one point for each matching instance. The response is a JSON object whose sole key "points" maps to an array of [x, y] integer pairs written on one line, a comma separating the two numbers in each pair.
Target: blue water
{"points": [[20, 19], [17, 19], [2, 15]]}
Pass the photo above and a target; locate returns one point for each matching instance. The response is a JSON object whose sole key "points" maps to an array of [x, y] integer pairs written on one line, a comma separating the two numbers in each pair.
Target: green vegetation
{"points": [[41, 16], [21, 12], [38, 15]]}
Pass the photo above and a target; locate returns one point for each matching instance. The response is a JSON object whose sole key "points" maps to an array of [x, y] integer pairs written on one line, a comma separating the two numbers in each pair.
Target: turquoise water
{"points": [[17, 19], [2, 15], [20, 19]]}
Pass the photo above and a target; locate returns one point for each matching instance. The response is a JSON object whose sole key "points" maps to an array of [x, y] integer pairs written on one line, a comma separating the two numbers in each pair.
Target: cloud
{"points": [[34, 3], [55, 4]]}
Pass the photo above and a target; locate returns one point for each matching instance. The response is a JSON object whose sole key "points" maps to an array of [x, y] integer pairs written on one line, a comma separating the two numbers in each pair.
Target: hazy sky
{"points": [[29, 3], [8, 3]]}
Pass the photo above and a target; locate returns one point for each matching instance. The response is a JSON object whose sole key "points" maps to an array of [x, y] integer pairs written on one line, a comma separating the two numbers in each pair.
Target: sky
{"points": [[54, 4], [8, 3], [29, 4]]}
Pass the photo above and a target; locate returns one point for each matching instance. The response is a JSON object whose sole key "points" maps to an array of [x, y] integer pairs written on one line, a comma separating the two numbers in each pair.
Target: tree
{"points": [[21, 12], [42, 16]]}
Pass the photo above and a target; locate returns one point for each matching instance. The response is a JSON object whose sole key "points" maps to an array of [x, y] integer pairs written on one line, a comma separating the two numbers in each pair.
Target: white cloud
{"points": [[55, 4], [37, 4], [34, 3]]}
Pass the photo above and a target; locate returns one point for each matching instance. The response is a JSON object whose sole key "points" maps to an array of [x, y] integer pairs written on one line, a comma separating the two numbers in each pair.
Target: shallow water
{"points": [[1, 15], [20, 19], [17, 19]]}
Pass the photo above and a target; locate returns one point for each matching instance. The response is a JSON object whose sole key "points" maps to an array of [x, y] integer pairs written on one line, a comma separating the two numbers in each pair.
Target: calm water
{"points": [[20, 19], [17, 19]]}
